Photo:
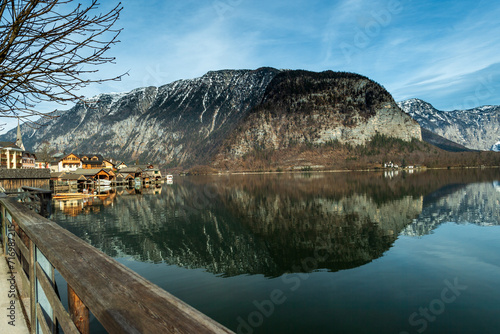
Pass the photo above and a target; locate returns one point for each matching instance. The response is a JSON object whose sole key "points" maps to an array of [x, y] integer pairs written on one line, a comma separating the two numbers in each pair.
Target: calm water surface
{"points": [[313, 253]]}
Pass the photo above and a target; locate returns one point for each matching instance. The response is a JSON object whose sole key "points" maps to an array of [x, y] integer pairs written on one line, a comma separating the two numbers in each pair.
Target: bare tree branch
{"points": [[49, 49]]}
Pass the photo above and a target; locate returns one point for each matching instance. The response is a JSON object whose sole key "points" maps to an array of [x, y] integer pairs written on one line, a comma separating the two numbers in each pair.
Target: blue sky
{"points": [[444, 52]]}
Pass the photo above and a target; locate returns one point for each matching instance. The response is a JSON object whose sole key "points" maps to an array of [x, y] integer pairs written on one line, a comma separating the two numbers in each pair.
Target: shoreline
{"points": [[419, 169]]}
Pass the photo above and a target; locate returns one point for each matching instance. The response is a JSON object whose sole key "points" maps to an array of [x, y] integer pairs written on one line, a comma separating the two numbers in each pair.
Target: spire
{"points": [[19, 139]]}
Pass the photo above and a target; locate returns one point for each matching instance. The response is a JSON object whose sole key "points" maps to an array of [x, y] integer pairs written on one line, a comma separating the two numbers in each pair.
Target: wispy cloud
{"points": [[442, 52]]}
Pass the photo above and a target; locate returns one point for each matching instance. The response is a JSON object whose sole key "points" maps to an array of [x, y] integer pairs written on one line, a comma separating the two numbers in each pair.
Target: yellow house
{"points": [[10, 155], [92, 161], [108, 164]]}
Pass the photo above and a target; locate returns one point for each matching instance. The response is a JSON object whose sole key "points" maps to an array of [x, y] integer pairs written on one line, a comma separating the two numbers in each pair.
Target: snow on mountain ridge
{"points": [[496, 147], [475, 128], [160, 124]]}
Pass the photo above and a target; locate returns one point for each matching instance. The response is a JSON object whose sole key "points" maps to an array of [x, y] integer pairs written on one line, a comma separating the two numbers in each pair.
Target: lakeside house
{"points": [[92, 161], [150, 171], [28, 160], [108, 163], [75, 169], [69, 163], [120, 165], [13, 155], [10, 155], [82, 177], [71, 179], [147, 172]]}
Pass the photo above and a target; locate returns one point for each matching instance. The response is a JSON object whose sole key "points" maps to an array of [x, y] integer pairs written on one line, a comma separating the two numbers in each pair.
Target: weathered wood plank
{"points": [[38, 190], [62, 316], [22, 278], [32, 319], [20, 245], [41, 320], [122, 300], [78, 312]]}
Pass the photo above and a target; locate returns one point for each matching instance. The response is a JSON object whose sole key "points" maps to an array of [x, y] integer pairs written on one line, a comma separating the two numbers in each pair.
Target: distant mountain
{"points": [[496, 147], [477, 128], [195, 121], [474, 203], [441, 142]]}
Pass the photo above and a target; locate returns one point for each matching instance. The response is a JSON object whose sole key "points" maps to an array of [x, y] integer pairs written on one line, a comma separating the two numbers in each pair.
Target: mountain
{"points": [[301, 108], [190, 122], [441, 142], [474, 203], [178, 123], [476, 129]]}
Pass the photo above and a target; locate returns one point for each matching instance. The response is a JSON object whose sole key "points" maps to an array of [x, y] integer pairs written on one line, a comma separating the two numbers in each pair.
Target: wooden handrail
{"points": [[37, 190], [122, 300]]}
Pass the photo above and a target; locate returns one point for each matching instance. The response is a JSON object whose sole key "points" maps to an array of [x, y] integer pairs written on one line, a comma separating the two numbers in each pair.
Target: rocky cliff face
{"points": [[186, 122], [477, 128], [317, 108], [181, 122]]}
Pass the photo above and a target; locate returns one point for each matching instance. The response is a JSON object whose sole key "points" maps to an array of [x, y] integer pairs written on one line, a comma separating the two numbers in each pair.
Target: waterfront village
{"points": [[82, 170]]}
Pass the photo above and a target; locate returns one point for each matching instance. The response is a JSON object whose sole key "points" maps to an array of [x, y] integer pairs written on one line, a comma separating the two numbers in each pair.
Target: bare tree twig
{"points": [[49, 49]]}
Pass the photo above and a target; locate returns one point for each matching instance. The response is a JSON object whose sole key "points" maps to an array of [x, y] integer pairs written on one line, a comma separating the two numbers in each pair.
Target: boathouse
{"points": [[56, 176], [150, 172], [129, 178], [74, 180], [96, 173], [119, 178], [134, 171]]}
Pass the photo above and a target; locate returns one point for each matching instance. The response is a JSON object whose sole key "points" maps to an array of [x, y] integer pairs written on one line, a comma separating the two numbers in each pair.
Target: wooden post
{"points": [[33, 300], [78, 312]]}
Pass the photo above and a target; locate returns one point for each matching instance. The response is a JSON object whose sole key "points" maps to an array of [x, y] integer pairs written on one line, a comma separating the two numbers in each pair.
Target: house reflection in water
{"points": [[76, 206]]}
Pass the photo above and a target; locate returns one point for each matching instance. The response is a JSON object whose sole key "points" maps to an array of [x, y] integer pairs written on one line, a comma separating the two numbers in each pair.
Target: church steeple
{"points": [[19, 139]]}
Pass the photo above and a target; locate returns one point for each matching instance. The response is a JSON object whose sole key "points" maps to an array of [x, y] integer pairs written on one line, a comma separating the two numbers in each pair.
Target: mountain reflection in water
{"points": [[268, 224]]}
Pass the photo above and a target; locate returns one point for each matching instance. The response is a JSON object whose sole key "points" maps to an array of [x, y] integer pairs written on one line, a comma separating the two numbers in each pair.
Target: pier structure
{"points": [[120, 299]]}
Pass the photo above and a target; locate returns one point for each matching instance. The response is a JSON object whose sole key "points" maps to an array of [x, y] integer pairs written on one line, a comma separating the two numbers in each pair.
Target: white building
{"points": [[10, 155]]}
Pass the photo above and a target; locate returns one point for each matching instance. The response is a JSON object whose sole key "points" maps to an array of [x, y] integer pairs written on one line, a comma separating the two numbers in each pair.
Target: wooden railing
{"points": [[38, 200], [120, 299]]}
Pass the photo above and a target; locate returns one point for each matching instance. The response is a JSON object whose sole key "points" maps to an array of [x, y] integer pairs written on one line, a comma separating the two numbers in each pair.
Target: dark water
{"points": [[313, 253]]}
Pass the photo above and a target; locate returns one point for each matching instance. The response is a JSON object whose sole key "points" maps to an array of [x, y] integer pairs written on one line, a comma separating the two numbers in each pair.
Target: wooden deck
{"points": [[121, 300]]}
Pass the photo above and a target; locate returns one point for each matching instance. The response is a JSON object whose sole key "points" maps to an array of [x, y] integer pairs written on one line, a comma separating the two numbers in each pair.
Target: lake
{"points": [[372, 252]]}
